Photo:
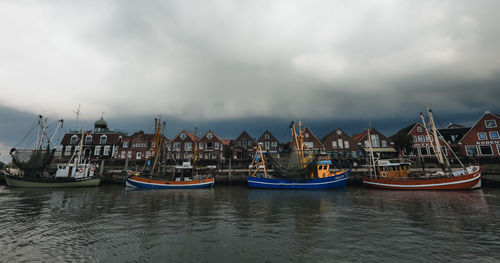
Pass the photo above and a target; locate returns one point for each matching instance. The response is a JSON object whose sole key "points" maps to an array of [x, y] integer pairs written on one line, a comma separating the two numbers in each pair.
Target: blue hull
{"points": [[138, 184], [337, 181]]}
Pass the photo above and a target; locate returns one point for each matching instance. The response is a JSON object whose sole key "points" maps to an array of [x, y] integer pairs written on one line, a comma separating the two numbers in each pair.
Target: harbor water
{"points": [[236, 224]]}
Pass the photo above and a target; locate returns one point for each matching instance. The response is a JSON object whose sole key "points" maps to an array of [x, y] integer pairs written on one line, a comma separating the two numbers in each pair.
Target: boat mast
{"points": [[372, 158], [439, 152], [81, 149], [59, 125], [42, 134], [156, 140], [38, 133], [195, 140], [77, 112]]}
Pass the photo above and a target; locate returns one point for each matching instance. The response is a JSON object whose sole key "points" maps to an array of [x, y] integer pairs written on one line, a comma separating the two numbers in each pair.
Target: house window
{"points": [[244, 142], [309, 145], [122, 155], [104, 139], [217, 146], [209, 136], [67, 151], [486, 150], [74, 139], [238, 143], [384, 143], [419, 129], [188, 146], [126, 144], [120, 138], [210, 146], [106, 150], [266, 145], [482, 136], [494, 135], [307, 135], [490, 123], [183, 136], [97, 151], [427, 138], [177, 146], [340, 144], [129, 154], [375, 140], [443, 149], [414, 138], [420, 138], [498, 149], [334, 144], [88, 139], [266, 136], [201, 146], [249, 144], [138, 155], [274, 144], [346, 144], [367, 144], [423, 151], [471, 150]]}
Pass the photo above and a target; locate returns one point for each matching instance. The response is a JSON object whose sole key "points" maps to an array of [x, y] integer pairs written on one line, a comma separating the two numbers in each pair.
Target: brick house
{"points": [[99, 143], [453, 134], [243, 146], [268, 142], [422, 142], [181, 146], [380, 143], [311, 142], [138, 146], [339, 144], [482, 140], [211, 147]]}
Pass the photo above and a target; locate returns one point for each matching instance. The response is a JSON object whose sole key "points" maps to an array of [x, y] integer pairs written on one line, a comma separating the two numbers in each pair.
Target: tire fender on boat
{"points": [[80, 170], [383, 174]]}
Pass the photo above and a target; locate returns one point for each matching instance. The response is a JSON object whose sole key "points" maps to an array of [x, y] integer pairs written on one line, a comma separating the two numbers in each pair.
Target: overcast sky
{"points": [[209, 61]]}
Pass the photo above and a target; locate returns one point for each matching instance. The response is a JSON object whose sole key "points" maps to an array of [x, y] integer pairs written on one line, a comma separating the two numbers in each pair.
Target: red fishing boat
{"points": [[390, 174]]}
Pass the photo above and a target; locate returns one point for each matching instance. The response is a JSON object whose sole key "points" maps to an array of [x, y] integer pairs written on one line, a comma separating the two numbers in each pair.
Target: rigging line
{"points": [[27, 134]]}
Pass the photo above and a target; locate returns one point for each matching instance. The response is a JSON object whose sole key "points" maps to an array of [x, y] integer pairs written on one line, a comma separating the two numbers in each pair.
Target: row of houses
{"points": [[480, 140]]}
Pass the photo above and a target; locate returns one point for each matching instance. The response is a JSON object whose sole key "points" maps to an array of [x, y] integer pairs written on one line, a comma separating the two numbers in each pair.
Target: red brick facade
{"points": [[422, 142], [482, 140], [268, 142], [311, 142], [338, 143]]}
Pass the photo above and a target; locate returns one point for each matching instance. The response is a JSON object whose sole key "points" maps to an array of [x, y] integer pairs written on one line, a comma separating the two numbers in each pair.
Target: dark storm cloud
{"points": [[238, 62]]}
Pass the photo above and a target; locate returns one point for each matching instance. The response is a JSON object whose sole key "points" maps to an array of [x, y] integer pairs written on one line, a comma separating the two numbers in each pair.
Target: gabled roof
{"points": [[271, 136], [475, 124], [332, 133], [405, 130], [314, 136], [188, 133], [214, 134]]}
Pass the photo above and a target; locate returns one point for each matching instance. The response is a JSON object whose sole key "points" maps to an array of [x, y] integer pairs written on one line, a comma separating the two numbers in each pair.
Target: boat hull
{"points": [[15, 181], [462, 182], [140, 182], [337, 181]]}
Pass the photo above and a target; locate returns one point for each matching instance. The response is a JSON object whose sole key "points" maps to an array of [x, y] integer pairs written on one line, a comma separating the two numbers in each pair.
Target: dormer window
{"points": [[74, 139], [490, 123], [103, 139], [120, 138], [88, 139]]}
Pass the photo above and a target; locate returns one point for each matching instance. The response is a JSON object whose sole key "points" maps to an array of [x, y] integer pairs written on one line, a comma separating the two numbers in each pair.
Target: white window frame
{"points": [[97, 150], [419, 129], [486, 123], [494, 132], [334, 144], [209, 136], [75, 137], [346, 144], [421, 138], [101, 139], [87, 141], [129, 155], [188, 146], [426, 150], [200, 146], [138, 155], [498, 149], [217, 145], [122, 155], [384, 143], [340, 143], [67, 150], [479, 136], [486, 145], [106, 150], [470, 146]]}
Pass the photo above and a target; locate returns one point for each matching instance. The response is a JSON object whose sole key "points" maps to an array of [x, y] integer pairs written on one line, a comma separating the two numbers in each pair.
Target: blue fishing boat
{"points": [[299, 169]]}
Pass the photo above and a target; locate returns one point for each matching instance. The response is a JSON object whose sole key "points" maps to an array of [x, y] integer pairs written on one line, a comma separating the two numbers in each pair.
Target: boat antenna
{"points": [[77, 112], [372, 158]]}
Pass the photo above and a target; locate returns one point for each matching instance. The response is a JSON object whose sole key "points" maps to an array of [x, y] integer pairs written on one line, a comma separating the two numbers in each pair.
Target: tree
{"points": [[402, 141]]}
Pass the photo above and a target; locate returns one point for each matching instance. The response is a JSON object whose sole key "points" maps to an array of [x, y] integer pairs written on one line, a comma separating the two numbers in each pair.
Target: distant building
{"points": [[453, 134], [99, 143], [138, 146], [268, 142], [423, 142], [482, 140], [243, 146], [311, 142], [211, 147], [181, 147], [339, 144], [381, 145]]}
